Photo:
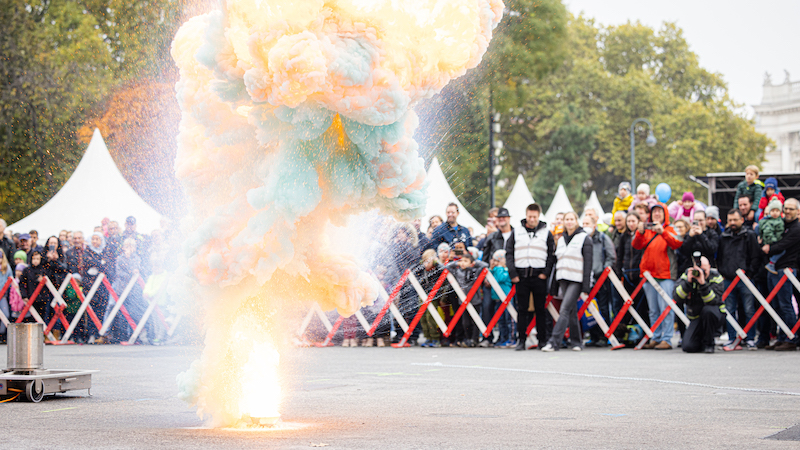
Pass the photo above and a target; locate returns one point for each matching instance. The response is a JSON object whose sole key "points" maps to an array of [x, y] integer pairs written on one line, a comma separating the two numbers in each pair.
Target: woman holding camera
{"points": [[655, 238], [574, 253]]}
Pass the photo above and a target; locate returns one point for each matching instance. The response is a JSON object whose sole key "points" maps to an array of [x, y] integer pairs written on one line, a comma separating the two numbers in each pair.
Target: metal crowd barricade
{"points": [[741, 333]]}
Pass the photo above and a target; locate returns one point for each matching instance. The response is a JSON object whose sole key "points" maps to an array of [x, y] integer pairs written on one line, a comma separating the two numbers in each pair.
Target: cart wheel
{"points": [[34, 391]]}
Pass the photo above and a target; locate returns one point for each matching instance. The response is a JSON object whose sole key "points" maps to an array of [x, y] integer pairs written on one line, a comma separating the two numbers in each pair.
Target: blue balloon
{"points": [[663, 192]]}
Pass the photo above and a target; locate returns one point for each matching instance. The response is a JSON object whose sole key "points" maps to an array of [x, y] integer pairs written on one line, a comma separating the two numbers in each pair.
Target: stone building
{"points": [[778, 116]]}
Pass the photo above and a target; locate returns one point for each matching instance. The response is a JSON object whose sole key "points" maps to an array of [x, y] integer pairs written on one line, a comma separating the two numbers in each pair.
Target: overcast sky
{"points": [[741, 39]]}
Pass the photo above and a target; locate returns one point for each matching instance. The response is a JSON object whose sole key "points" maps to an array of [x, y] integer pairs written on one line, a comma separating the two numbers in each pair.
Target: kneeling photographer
{"points": [[701, 289]]}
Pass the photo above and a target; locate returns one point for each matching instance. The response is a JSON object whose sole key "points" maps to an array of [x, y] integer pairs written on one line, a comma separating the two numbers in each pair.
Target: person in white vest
{"points": [[574, 253], [530, 259]]}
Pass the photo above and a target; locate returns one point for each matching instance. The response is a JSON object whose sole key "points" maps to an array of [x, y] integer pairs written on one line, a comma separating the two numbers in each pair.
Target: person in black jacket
{"points": [[700, 239], [738, 249], [790, 244], [31, 277], [530, 256], [55, 265], [494, 242], [628, 259], [575, 253], [701, 290]]}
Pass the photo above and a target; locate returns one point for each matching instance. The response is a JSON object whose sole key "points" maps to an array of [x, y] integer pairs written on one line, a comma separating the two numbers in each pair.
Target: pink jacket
{"points": [[676, 210]]}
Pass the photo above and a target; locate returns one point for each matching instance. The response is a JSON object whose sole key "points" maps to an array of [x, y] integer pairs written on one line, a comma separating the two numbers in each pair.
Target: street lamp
{"points": [[650, 141]]}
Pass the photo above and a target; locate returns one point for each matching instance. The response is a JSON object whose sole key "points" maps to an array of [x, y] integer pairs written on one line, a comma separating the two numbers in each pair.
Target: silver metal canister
{"points": [[25, 346]]}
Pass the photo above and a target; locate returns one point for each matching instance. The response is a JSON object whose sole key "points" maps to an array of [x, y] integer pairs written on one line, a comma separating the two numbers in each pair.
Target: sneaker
{"points": [[709, 349], [548, 348], [771, 346], [369, 342], [786, 347], [761, 344], [751, 345], [485, 343], [576, 348], [663, 345], [771, 269], [381, 342], [520, 346], [425, 344], [435, 344]]}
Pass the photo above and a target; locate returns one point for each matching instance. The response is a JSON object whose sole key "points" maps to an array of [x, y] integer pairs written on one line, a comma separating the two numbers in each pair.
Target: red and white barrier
{"points": [[153, 306], [84, 306], [672, 307], [388, 306], [741, 333], [626, 306], [11, 283]]}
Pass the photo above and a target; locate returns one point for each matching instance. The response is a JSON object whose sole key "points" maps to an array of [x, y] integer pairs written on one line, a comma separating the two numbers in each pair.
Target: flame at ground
{"points": [[297, 114]]}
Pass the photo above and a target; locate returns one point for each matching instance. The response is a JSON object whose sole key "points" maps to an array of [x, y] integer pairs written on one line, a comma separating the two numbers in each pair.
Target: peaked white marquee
{"points": [[95, 190], [440, 195], [560, 204], [593, 202], [518, 201]]}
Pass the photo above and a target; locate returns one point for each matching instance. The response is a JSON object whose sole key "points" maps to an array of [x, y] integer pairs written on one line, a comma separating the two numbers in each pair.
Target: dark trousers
{"points": [[468, 325], [782, 303], [603, 299], [701, 331], [538, 287]]}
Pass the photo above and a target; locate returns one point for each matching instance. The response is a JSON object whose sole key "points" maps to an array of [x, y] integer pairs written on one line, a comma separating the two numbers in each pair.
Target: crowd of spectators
{"points": [[691, 252], [120, 255]]}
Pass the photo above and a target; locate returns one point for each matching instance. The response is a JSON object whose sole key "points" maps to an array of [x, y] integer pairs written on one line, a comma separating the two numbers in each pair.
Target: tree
{"points": [[53, 67], [528, 44], [564, 161], [611, 76]]}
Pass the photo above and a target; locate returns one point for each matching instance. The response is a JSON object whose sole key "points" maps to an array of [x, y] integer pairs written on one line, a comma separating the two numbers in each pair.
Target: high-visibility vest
{"points": [[530, 249], [569, 264]]}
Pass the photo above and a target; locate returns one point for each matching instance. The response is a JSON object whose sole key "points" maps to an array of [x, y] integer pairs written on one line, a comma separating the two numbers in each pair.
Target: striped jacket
{"points": [[695, 296]]}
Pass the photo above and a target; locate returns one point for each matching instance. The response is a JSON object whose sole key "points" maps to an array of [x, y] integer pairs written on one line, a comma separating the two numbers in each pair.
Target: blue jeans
{"points": [[783, 303], [774, 258], [657, 305], [740, 293]]}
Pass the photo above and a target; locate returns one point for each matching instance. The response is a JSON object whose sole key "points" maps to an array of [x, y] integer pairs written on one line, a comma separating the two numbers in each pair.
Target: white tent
{"points": [[440, 195], [560, 204], [95, 190], [593, 202], [518, 201]]}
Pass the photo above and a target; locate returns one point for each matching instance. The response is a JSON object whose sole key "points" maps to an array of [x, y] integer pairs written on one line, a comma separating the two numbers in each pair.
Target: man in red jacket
{"points": [[656, 238]]}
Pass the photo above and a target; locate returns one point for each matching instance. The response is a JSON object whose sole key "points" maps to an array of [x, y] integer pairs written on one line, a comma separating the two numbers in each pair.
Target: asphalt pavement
{"points": [[370, 398]]}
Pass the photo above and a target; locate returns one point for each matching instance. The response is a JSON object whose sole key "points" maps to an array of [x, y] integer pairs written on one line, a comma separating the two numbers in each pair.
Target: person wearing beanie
{"points": [[712, 220], [685, 208], [643, 196], [771, 191], [770, 229], [623, 199], [20, 257]]}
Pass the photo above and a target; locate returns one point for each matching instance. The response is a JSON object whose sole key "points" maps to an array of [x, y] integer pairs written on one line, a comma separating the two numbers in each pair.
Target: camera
{"points": [[695, 223], [696, 262], [458, 252], [649, 225], [52, 247]]}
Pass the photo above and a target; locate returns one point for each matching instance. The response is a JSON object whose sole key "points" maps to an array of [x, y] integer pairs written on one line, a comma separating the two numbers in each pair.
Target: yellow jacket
{"points": [[621, 204]]}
